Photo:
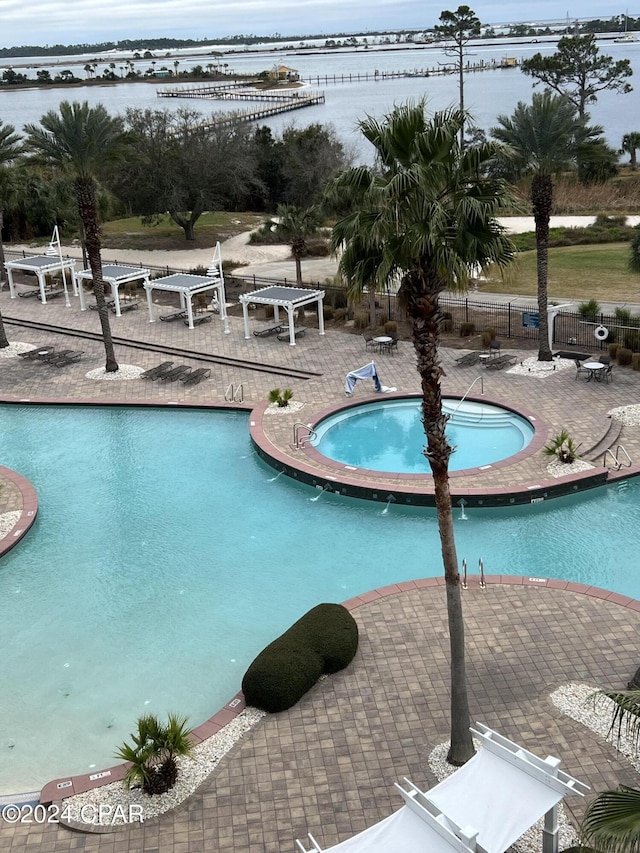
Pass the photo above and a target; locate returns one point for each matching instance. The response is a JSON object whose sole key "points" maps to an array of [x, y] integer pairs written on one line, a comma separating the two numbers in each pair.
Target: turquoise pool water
{"points": [[166, 555], [388, 435]]}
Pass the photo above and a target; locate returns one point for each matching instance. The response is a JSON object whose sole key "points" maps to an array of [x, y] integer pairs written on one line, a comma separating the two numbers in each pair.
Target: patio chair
{"points": [[390, 346], [157, 371], [265, 331], [68, 358], [469, 359], [607, 374], [604, 359], [494, 347], [298, 332], [580, 369], [369, 342], [196, 376], [177, 372]]}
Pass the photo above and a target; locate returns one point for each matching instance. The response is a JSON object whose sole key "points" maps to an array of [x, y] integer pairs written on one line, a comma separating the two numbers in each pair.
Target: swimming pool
{"points": [[388, 435], [166, 554]]}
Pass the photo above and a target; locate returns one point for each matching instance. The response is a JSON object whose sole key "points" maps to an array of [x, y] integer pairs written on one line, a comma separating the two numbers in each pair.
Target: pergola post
{"points": [[12, 289], [551, 830], [43, 295], [320, 315], [245, 317], [149, 290], [79, 289], [292, 334]]}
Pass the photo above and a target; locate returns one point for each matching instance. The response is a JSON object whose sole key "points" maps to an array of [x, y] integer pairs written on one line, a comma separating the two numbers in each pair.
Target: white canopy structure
{"points": [[188, 285], [114, 275], [484, 807], [288, 298], [40, 265]]}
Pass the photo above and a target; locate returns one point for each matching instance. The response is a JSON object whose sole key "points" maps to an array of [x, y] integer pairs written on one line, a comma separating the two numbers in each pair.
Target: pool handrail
{"points": [[466, 393]]}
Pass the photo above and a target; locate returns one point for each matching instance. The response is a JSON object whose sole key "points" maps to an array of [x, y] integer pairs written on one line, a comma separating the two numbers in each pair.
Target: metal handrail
{"points": [[231, 394], [468, 391], [481, 570], [311, 433], [464, 574], [617, 463]]}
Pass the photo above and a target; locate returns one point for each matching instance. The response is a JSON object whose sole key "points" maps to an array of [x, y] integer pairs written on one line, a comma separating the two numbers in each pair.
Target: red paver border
{"points": [[28, 513]]}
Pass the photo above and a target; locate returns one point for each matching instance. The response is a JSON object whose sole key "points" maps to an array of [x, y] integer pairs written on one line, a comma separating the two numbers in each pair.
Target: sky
{"points": [[48, 22]]}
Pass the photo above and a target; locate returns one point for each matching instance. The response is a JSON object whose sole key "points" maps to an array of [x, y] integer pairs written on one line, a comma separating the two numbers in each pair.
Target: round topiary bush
{"points": [[324, 640]]}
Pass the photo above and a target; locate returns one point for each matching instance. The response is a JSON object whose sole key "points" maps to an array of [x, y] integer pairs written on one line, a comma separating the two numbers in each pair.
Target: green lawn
{"points": [[132, 234], [576, 273]]}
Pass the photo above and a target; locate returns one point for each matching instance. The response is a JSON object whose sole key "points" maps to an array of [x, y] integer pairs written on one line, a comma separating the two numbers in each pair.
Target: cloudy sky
{"points": [[42, 22]]}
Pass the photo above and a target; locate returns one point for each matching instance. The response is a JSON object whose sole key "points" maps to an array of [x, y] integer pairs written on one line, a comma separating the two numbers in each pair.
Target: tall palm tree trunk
{"points": [[424, 310], [3, 335], [86, 198], [542, 201]]}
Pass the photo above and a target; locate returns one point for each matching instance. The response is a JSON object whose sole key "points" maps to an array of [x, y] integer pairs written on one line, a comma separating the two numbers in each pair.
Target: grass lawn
{"points": [[132, 234], [576, 273]]}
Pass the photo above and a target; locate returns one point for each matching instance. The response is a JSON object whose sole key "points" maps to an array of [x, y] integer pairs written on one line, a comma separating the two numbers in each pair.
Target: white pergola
{"points": [[484, 807], [187, 286], [40, 265], [288, 298], [114, 275]]}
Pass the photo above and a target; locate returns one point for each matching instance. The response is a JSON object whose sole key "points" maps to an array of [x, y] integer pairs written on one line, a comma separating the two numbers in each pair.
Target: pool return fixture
{"points": [[462, 504], [480, 572], [390, 500], [325, 488]]}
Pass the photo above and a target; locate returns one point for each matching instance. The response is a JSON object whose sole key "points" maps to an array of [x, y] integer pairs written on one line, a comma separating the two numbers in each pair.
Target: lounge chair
{"points": [[265, 331], [125, 306], [298, 332], [26, 293], [33, 353], [469, 359], [157, 371], [200, 318], [110, 303], [176, 373], [175, 315], [500, 361], [196, 375], [54, 355], [70, 357]]}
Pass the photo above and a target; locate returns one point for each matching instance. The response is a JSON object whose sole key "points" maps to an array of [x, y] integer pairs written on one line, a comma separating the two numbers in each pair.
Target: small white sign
{"points": [[67, 784], [102, 775]]}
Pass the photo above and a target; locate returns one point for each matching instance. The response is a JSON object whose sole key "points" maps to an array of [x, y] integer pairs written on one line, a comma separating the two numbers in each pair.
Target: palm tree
{"points": [[10, 147], [545, 138], [153, 752], [295, 224], [630, 144], [425, 215], [80, 140], [612, 821]]}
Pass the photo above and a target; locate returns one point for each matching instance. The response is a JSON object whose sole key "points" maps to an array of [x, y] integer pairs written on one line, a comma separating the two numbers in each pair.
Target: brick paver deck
{"points": [[329, 764]]}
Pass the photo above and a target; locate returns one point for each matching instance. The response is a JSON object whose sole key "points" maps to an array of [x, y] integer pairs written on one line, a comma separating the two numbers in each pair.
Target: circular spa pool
{"points": [[388, 435]]}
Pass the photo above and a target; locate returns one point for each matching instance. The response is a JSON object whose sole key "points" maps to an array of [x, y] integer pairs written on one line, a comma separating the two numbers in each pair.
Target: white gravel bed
{"points": [[275, 409], [125, 371], [629, 415], [531, 841], [14, 348], [117, 799], [8, 521], [540, 369], [560, 469]]}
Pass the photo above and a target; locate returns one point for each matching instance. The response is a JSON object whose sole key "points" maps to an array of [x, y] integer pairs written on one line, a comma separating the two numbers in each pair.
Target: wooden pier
{"points": [[438, 71]]}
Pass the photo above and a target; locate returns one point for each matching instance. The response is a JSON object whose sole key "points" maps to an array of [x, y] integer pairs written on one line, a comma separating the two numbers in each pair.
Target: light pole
{"points": [[56, 249]]}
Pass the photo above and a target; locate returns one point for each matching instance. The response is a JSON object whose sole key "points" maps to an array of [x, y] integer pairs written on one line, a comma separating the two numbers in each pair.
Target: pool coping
{"points": [[28, 512], [59, 789]]}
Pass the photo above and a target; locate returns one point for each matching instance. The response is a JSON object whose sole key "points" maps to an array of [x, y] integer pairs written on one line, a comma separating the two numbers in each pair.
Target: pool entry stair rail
{"points": [[620, 459], [467, 392], [300, 440], [483, 585], [234, 393]]}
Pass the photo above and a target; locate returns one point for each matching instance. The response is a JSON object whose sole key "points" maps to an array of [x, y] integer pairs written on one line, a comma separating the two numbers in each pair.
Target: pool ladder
{"points": [[480, 571], [466, 394], [300, 440], [234, 393], [617, 463]]}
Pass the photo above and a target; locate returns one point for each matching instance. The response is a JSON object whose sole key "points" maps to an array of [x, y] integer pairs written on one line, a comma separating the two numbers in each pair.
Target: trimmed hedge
{"points": [[324, 640]]}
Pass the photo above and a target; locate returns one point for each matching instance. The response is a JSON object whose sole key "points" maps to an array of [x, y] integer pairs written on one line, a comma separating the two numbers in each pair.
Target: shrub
{"points": [[361, 320], [280, 397], [612, 350], [324, 640], [391, 327], [589, 310], [631, 340], [488, 335], [153, 753], [268, 312], [446, 321], [327, 312], [634, 251], [623, 356], [467, 329], [562, 447], [635, 361], [339, 315]]}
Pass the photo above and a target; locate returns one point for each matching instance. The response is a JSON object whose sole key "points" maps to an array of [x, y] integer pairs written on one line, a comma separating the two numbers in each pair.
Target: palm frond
{"points": [[612, 821]]}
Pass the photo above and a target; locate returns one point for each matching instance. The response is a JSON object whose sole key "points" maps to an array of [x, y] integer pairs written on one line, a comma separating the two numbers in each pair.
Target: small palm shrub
{"points": [[268, 312], [467, 329], [624, 356], [562, 447], [589, 310], [340, 315], [446, 321], [391, 327], [488, 335], [635, 361], [280, 397], [327, 312], [634, 251], [153, 753], [612, 349], [324, 640]]}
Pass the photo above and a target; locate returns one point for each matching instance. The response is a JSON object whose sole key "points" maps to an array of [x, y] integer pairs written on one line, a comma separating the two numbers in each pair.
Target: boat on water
{"points": [[626, 36]]}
